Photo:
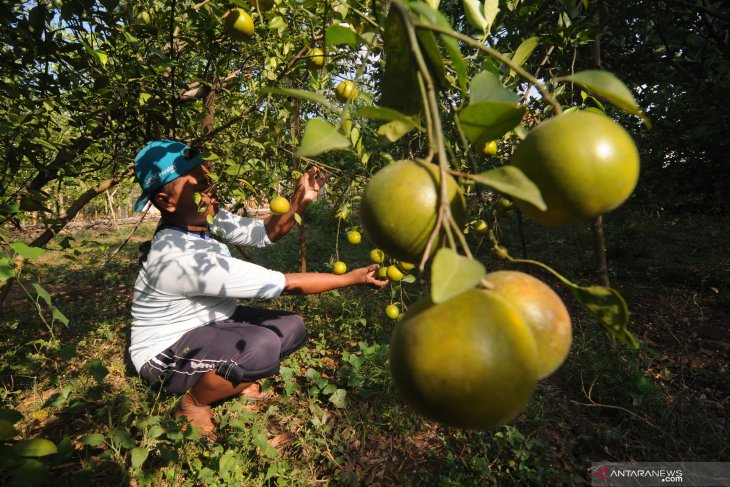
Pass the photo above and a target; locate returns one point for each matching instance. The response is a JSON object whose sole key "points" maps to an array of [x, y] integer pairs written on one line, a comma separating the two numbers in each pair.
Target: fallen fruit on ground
{"points": [[470, 362], [543, 312], [238, 24], [392, 311], [346, 91], [400, 205], [354, 237], [279, 205], [584, 164], [339, 267]]}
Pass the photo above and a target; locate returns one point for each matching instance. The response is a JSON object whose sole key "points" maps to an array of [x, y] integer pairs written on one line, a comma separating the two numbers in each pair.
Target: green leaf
{"points": [[491, 9], [6, 272], [278, 24], [452, 274], [30, 473], [608, 86], [42, 293], [295, 93], [92, 439], [156, 431], [473, 11], [338, 398], [320, 136], [430, 15], [337, 35], [486, 86], [97, 369], [513, 182], [38, 447], [143, 97], [122, 438], [9, 209], [434, 62], [298, 218], [58, 315], [388, 114], [26, 251], [400, 89], [524, 50], [392, 131], [409, 279], [609, 307], [139, 455], [7, 430], [487, 120], [67, 352]]}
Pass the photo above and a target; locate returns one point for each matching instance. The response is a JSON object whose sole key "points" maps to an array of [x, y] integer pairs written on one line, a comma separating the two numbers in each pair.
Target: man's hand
{"points": [[307, 188], [368, 276]]}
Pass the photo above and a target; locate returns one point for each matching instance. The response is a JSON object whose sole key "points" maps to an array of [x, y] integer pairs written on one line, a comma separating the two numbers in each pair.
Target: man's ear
{"points": [[164, 201]]}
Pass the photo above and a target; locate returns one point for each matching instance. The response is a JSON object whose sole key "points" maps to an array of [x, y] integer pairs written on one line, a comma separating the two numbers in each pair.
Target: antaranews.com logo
{"points": [[696, 474]]}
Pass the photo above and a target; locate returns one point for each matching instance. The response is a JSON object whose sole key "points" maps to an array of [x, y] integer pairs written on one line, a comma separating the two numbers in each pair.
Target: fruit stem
{"points": [[497, 55]]}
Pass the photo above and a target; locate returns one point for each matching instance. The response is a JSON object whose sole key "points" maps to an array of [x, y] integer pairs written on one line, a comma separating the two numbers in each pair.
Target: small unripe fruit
{"points": [[339, 267], [377, 256], [394, 274], [279, 205], [392, 311]]}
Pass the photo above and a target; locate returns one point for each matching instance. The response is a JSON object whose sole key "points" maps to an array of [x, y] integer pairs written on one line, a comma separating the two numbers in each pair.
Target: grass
{"points": [[337, 419]]}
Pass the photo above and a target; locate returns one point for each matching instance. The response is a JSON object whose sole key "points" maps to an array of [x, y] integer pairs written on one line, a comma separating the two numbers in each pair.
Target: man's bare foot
{"points": [[200, 416], [252, 392]]}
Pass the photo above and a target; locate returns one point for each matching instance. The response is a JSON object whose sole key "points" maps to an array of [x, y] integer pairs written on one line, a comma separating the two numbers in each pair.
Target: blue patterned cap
{"points": [[160, 162]]}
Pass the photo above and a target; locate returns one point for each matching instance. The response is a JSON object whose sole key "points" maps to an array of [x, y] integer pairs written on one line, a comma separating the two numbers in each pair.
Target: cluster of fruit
{"points": [[473, 361]]}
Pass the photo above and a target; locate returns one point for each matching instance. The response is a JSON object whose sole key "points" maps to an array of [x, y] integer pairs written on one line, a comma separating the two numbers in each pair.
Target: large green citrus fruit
{"points": [[346, 91], [279, 206], [584, 163], [400, 206], [315, 58], [339, 267], [469, 362], [238, 24], [262, 5], [543, 312]]}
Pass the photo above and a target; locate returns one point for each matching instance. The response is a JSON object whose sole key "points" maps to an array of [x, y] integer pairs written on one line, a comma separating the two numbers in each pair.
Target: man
{"points": [[188, 333]]}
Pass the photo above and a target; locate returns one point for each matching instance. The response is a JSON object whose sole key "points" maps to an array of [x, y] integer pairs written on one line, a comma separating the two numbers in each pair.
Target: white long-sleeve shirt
{"points": [[189, 281]]}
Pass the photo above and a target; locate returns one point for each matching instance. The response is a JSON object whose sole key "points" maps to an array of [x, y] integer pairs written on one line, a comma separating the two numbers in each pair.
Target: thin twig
{"points": [[129, 236]]}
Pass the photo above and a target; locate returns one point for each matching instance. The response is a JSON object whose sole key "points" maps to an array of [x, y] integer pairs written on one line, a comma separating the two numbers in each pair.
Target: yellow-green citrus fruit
{"points": [[144, 18], [394, 274], [500, 252], [469, 362], [543, 312], [279, 205], [406, 266], [346, 91], [238, 24], [354, 237], [262, 5], [383, 272], [400, 205], [490, 148], [315, 58], [339, 267], [392, 311], [377, 256], [479, 226], [584, 164]]}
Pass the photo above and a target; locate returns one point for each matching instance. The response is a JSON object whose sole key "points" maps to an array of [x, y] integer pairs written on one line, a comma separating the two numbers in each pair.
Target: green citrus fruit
{"points": [[238, 24], [394, 274], [406, 266], [339, 267], [392, 311], [400, 205], [315, 58], [469, 362], [584, 164], [479, 226], [543, 312], [279, 205], [346, 91], [490, 148], [377, 256], [354, 237], [383, 272]]}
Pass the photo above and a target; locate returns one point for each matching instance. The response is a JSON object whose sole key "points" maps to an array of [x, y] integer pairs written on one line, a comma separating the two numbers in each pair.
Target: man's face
{"points": [[181, 197]]}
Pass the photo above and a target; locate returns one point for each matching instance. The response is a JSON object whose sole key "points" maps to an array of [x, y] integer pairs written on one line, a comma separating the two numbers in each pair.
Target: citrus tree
{"points": [[427, 115]]}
